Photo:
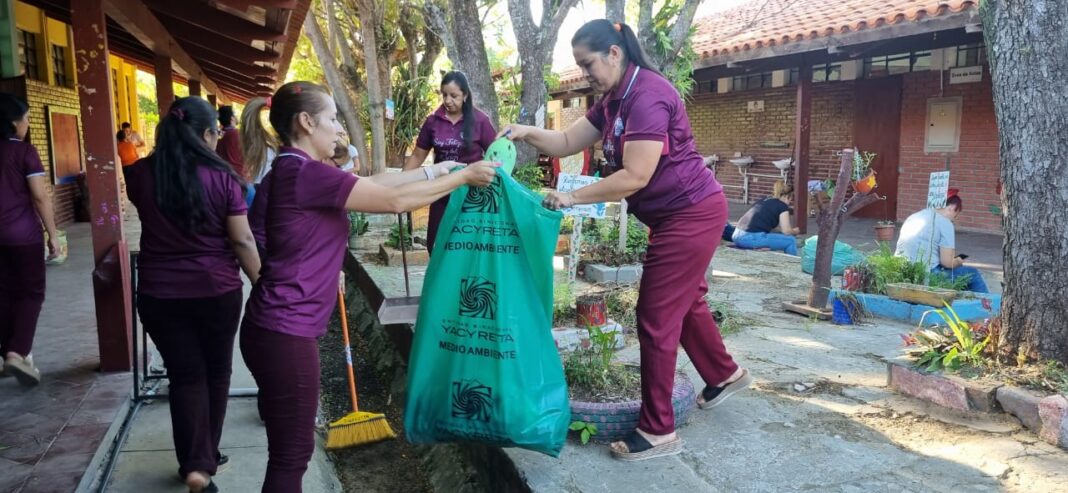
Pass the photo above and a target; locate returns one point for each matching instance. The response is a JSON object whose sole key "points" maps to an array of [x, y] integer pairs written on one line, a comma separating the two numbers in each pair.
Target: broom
{"points": [[356, 428]]}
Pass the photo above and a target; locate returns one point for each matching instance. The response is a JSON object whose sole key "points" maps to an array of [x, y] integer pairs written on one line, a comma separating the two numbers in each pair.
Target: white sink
{"points": [[742, 161], [784, 164], [711, 160]]}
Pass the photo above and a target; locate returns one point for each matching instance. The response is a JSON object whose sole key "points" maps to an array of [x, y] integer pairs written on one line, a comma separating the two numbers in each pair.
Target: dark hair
{"points": [[285, 105], [125, 125], [955, 202], [600, 35], [11, 108], [458, 78], [226, 115], [120, 136], [180, 148]]}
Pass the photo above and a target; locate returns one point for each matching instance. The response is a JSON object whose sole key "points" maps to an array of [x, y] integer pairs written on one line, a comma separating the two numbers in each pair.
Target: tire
{"points": [[614, 420]]}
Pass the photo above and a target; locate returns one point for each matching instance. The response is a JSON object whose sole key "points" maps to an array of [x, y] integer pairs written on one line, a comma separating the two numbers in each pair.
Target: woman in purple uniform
{"points": [[24, 204], [194, 235], [652, 162], [302, 204]]}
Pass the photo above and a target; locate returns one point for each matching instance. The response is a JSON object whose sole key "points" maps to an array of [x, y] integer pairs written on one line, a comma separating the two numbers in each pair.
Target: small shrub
{"points": [[951, 347], [395, 236], [530, 175], [585, 430]]}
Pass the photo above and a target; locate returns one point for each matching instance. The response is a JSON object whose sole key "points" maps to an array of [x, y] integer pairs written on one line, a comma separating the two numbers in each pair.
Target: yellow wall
{"points": [[52, 32]]}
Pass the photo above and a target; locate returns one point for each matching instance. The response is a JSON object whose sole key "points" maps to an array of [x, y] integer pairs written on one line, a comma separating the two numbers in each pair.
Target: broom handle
{"points": [[348, 349]]}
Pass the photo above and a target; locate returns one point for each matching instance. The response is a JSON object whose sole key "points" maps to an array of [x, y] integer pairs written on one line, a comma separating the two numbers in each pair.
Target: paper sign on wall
{"points": [[937, 189], [963, 75]]}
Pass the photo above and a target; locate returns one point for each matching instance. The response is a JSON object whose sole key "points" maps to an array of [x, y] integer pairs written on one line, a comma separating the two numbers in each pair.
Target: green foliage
{"points": [[563, 303], [951, 347], [358, 224], [395, 235], [593, 370], [1054, 377], [621, 304], [413, 100], [678, 66], [567, 225], [861, 163], [944, 281], [600, 243], [883, 267], [530, 175], [586, 430], [305, 65]]}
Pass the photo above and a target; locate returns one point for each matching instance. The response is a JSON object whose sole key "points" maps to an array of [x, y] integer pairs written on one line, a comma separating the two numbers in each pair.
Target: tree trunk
{"points": [[438, 23], [614, 10], [470, 55], [679, 34], [376, 101], [830, 222], [536, 43], [1028, 64], [337, 84]]}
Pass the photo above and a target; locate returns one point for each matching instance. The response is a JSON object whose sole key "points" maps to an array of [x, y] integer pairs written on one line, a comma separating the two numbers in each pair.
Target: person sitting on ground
{"points": [[929, 236], [754, 229]]}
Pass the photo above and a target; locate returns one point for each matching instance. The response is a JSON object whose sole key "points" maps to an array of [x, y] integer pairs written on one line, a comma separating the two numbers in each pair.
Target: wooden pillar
{"points": [[212, 99], [111, 276], [194, 87], [164, 84], [802, 142]]}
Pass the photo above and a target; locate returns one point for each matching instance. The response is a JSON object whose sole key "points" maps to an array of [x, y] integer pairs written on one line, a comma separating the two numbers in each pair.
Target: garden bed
{"points": [[969, 308]]}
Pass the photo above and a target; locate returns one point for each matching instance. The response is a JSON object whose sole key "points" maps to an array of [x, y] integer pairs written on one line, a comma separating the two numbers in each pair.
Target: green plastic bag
{"points": [[483, 365], [843, 256]]}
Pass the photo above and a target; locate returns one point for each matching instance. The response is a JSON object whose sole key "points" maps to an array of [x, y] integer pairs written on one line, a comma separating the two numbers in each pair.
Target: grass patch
{"points": [[729, 319]]}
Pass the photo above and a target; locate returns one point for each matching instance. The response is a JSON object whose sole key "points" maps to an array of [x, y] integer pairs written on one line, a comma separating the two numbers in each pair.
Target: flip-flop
{"points": [[714, 396], [24, 371], [638, 448]]}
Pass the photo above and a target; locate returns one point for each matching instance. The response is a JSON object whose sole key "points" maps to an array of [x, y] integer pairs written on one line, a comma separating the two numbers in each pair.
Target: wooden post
{"points": [[164, 84], [802, 141], [111, 276], [194, 87], [212, 99]]}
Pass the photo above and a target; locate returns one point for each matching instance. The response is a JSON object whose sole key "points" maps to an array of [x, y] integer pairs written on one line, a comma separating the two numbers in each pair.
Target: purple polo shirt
{"points": [[652, 110], [19, 224], [446, 139], [306, 228], [176, 263]]}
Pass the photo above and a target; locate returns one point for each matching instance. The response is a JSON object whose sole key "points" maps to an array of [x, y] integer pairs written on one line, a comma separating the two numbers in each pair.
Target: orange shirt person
{"points": [[127, 150]]}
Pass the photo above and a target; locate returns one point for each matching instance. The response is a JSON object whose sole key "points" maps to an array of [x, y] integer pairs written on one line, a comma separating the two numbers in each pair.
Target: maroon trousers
{"points": [[22, 292], [286, 370], [195, 336], [672, 308]]}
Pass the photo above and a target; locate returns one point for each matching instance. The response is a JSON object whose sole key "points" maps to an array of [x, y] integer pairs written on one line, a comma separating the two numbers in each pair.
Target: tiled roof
{"points": [[765, 23]]}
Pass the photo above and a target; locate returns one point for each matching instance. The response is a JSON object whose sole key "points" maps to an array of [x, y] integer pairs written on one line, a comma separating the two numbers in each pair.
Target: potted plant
{"points": [[607, 394], [884, 230], [358, 226], [863, 175], [563, 242]]}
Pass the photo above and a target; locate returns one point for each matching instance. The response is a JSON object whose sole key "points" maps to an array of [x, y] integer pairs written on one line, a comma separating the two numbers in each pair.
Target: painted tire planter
{"points": [[614, 420]]}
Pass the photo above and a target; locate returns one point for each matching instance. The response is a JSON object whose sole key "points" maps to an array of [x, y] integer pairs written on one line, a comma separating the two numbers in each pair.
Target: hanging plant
{"points": [[863, 175]]}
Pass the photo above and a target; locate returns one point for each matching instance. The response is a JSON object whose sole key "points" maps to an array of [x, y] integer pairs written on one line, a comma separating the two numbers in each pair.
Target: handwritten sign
{"points": [[568, 183], [937, 189]]}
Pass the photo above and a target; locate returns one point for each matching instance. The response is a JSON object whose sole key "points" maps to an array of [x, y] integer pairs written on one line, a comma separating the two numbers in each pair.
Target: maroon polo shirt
{"points": [[19, 224], [299, 210], [229, 148], [176, 263], [653, 110], [446, 139]]}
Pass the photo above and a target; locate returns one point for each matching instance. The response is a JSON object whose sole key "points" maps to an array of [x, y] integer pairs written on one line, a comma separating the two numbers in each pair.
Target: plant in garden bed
{"points": [[592, 375], [530, 175], [563, 304], [395, 235], [585, 430], [600, 242], [952, 347]]}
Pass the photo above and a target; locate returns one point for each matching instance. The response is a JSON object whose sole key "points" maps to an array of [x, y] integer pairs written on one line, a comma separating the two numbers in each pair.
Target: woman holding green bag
{"points": [[652, 161], [456, 131]]}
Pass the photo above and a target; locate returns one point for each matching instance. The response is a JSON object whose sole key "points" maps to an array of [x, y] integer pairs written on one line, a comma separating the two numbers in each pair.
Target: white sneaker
{"points": [[23, 370]]}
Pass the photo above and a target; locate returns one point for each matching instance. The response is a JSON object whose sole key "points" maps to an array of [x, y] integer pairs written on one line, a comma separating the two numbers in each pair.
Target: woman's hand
{"points": [[445, 167], [515, 132], [558, 200], [480, 174], [53, 247]]}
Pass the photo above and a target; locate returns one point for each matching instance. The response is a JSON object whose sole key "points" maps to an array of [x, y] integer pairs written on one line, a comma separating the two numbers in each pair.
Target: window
{"points": [[971, 55], [59, 65], [28, 54], [793, 76], [752, 81], [827, 72], [882, 66]]}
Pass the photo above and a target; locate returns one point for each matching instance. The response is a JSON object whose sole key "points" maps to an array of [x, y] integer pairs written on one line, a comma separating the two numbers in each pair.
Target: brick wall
{"points": [[39, 95], [975, 170], [722, 125], [572, 114]]}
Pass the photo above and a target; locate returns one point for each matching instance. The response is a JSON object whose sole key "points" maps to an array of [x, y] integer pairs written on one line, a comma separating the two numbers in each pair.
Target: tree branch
{"points": [[681, 31], [859, 201], [559, 16]]}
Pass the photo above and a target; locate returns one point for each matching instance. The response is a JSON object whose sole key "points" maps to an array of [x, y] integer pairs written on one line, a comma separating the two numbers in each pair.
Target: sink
{"points": [[742, 161], [784, 164], [711, 160]]}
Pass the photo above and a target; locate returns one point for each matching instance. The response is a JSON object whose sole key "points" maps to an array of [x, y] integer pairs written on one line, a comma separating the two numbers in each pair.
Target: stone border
{"points": [[602, 274], [392, 256], [969, 310], [1047, 416]]}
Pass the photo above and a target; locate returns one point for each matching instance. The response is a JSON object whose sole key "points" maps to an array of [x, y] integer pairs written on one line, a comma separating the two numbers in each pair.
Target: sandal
{"points": [[23, 370], [714, 396], [638, 448]]}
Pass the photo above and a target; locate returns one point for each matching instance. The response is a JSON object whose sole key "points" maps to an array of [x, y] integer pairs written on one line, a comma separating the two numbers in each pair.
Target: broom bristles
{"points": [[357, 429]]}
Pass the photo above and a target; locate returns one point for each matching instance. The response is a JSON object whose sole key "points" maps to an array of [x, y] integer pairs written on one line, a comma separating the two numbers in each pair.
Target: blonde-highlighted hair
{"points": [[255, 138], [782, 189]]}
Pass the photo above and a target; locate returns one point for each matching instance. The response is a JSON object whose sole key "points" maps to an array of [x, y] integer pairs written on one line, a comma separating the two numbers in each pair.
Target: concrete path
{"points": [[847, 434]]}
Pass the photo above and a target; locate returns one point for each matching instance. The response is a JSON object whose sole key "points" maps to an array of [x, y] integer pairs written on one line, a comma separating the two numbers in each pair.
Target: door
{"points": [[877, 128]]}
